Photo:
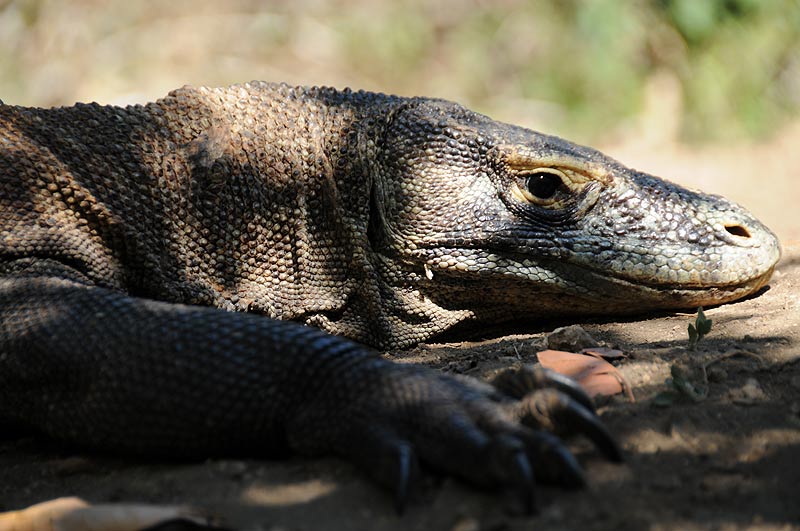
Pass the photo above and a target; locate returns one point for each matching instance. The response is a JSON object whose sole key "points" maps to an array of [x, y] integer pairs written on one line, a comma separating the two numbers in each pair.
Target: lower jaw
{"points": [[665, 296]]}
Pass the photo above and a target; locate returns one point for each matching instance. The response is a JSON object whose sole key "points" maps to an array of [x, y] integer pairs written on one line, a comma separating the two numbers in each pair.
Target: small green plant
{"points": [[680, 386], [700, 328]]}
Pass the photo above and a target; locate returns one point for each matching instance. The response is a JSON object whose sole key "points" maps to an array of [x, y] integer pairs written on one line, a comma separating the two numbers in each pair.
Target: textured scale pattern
{"points": [[142, 247]]}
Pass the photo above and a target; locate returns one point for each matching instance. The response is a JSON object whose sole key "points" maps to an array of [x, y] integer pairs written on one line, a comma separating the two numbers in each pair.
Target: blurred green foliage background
{"points": [[576, 68]]}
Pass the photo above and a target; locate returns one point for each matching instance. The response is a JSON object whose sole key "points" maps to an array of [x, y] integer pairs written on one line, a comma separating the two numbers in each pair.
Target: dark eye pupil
{"points": [[543, 185]]}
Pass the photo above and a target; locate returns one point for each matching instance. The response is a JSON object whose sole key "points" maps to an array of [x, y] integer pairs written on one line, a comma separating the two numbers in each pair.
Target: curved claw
{"points": [[581, 420], [462, 428], [401, 488], [527, 491], [569, 387], [388, 459], [553, 461], [554, 411], [512, 467], [517, 383], [571, 475]]}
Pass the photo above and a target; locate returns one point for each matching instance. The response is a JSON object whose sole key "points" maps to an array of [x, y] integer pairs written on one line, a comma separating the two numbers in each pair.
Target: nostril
{"points": [[737, 230]]}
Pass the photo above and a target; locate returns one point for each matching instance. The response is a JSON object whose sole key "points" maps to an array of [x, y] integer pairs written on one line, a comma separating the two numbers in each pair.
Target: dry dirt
{"points": [[730, 461]]}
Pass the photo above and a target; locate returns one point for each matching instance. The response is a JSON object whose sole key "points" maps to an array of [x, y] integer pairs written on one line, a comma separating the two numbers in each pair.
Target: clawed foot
{"points": [[549, 401], [503, 435]]}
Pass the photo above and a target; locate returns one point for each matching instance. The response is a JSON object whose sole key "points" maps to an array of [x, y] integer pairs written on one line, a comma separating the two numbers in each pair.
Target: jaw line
{"points": [[735, 290], [584, 275], [753, 283]]}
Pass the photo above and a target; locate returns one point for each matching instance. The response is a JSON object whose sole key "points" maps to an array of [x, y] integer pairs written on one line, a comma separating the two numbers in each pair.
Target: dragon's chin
{"points": [[665, 296]]}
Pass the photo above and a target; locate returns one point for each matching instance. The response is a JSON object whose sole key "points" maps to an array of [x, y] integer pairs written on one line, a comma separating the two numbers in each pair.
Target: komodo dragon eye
{"points": [[546, 187], [542, 185]]}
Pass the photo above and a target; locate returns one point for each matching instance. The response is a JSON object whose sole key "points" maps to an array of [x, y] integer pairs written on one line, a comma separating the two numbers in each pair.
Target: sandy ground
{"points": [[730, 461]]}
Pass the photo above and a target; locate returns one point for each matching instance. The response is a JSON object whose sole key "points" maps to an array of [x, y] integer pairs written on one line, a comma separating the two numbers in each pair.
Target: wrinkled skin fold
{"points": [[159, 265]]}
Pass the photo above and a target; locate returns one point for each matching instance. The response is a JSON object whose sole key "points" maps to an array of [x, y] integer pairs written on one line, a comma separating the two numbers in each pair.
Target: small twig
{"points": [[727, 355], [623, 382], [616, 373]]}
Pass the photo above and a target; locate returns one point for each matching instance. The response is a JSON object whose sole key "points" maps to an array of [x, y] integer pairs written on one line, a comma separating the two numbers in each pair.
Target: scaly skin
{"points": [[611, 241], [126, 232]]}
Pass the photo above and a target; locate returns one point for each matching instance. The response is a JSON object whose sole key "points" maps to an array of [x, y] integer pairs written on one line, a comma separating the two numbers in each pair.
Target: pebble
{"points": [[571, 339], [750, 393]]}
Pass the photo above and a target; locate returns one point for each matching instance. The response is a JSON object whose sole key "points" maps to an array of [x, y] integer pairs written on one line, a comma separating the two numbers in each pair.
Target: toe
{"points": [[559, 413]]}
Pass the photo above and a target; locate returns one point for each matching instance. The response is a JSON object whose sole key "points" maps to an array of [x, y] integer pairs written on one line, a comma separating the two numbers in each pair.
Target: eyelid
{"points": [[545, 169], [572, 183], [572, 179], [580, 170]]}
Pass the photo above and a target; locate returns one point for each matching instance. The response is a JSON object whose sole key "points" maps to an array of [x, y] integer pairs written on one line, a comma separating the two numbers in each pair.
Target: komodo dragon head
{"points": [[503, 222]]}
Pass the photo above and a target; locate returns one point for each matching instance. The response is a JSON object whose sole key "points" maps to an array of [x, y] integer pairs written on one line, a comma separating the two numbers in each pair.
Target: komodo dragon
{"points": [[158, 264]]}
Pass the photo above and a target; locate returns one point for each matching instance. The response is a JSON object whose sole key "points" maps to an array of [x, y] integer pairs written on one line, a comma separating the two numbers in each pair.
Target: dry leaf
{"points": [[604, 352], [74, 514], [596, 376]]}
